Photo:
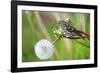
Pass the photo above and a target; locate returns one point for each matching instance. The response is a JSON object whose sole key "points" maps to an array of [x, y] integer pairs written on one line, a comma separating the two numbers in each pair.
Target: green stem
{"points": [[83, 44], [55, 41]]}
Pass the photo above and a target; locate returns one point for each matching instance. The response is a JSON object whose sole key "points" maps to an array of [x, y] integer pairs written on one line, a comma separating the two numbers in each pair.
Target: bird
{"points": [[68, 30]]}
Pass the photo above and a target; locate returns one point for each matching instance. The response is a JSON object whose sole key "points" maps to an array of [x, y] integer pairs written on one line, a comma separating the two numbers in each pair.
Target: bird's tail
{"points": [[85, 35]]}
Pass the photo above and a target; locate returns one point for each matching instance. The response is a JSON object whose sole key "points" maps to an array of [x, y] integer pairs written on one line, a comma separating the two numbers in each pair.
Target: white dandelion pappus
{"points": [[44, 49]]}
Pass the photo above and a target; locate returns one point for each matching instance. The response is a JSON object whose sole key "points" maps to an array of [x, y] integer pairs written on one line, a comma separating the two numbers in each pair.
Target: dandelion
{"points": [[44, 49]]}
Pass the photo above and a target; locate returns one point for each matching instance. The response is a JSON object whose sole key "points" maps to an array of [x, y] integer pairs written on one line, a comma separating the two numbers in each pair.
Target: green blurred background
{"points": [[37, 25]]}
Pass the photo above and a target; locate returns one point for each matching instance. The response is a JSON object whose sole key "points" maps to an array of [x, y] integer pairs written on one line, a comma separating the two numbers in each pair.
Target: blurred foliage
{"points": [[38, 25]]}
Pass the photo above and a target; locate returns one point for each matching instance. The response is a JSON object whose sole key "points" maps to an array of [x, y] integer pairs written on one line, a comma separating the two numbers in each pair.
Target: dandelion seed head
{"points": [[44, 49]]}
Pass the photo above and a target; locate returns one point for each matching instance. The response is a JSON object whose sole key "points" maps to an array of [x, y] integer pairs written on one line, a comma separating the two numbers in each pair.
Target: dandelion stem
{"points": [[55, 41]]}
